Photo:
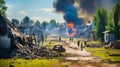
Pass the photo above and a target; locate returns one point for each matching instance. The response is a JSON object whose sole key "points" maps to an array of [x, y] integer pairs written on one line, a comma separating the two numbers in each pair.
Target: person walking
{"points": [[78, 43]]}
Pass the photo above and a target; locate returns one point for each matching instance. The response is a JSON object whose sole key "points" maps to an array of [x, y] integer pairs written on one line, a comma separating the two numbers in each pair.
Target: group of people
{"points": [[80, 44]]}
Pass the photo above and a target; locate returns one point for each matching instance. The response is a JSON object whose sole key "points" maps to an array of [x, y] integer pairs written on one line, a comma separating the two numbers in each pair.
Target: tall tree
{"points": [[110, 24], [52, 24], [15, 22], [116, 18], [3, 8], [100, 20], [26, 20], [31, 22], [44, 25], [57, 24], [37, 23]]}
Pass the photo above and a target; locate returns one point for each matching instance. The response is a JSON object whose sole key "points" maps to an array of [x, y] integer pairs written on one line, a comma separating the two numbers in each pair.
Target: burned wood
{"points": [[34, 51]]}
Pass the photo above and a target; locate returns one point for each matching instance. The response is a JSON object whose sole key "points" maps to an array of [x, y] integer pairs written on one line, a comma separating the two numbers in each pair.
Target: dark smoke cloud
{"points": [[85, 9], [69, 11], [90, 6], [61, 5]]}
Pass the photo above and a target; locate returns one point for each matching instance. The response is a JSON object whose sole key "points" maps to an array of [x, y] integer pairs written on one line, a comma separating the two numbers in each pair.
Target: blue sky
{"points": [[36, 9]]}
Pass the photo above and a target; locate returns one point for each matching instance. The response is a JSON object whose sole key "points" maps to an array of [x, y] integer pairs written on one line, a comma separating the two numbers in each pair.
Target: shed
{"points": [[108, 36]]}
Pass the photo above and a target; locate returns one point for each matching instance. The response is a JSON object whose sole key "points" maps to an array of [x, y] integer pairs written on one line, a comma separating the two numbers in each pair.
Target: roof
{"points": [[105, 32], [14, 30]]}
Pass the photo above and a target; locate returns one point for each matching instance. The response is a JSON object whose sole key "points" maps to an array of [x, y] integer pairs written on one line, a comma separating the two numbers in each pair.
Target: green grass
{"points": [[55, 62], [31, 63], [94, 42], [53, 42], [105, 53]]}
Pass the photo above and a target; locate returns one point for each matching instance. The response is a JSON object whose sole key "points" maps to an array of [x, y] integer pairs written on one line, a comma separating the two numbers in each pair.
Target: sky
{"points": [[41, 10]]}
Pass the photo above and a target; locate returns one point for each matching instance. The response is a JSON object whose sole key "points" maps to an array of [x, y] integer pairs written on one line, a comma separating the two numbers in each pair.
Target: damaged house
{"points": [[9, 34], [14, 43]]}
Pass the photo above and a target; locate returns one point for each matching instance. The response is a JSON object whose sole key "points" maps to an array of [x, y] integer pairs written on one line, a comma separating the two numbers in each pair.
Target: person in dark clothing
{"points": [[42, 38], [59, 39], [78, 43], [70, 39]]}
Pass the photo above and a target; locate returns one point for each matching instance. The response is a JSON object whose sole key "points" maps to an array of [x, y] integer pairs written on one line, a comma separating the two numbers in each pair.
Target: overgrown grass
{"points": [[106, 54], [31, 63], [94, 42]]}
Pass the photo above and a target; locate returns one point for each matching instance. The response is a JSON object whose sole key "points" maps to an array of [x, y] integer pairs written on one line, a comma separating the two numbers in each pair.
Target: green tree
{"points": [[15, 22], [44, 25], [26, 20], [3, 8], [100, 20], [52, 24], [31, 22], [37, 23], [57, 24], [116, 18], [110, 24]]}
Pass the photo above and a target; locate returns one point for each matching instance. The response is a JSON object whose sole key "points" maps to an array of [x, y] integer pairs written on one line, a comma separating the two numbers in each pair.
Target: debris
{"points": [[34, 51], [11, 66], [21, 45], [58, 48]]}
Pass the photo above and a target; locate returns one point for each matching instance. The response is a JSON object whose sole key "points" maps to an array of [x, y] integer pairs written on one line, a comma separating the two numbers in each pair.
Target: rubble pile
{"points": [[58, 48], [113, 44], [35, 51], [15, 43]]}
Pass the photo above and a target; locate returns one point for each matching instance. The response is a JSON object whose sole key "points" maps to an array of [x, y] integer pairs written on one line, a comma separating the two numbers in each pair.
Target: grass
{"points": [[94, 42], [106, 54], [31, 63], [55, 62], [50, 43]]}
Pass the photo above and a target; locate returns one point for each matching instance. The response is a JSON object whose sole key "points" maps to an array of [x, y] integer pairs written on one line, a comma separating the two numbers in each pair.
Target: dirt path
{"points": [[77, 58]]}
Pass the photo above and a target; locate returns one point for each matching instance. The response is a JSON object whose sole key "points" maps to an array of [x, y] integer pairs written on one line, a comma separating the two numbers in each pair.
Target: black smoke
{"points": [[90, 6], [87, 6], [61, 5], [69, 11]]}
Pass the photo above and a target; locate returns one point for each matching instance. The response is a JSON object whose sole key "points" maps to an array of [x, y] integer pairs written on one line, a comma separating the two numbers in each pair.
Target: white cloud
{"points": [[35, 18], [22, 12], [9, 13], [47, 10], [9, 6]]}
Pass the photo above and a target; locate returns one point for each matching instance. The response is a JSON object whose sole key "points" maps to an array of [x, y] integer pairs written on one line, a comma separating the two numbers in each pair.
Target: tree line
{"points": [[26, 20], [44, 25], [105, 21]]}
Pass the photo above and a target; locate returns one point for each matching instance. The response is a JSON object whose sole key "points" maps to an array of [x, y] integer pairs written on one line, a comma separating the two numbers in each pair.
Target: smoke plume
{"points": [[82, 8], [87, 8], [69, 10]]}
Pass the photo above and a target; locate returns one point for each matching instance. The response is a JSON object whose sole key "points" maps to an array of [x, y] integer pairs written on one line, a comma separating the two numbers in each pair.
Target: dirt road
{"points": [[77, 58]]}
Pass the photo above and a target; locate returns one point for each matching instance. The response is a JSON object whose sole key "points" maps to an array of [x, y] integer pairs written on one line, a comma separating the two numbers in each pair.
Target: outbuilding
{"points": [[108, 36]]}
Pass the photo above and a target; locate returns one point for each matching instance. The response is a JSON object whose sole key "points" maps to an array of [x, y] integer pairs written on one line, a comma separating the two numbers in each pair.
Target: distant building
{"points": [[108, 37], [92, 36]]}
